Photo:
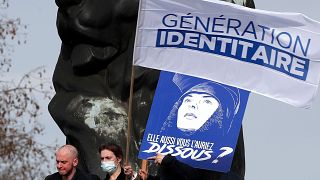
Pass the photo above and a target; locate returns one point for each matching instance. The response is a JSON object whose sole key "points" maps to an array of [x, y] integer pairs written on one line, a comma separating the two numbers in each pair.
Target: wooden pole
{"points": [[144, 163], [129, 116]]}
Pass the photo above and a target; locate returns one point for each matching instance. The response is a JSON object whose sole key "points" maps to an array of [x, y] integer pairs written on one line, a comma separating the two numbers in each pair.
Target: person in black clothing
{"points": [[111, 158], [67, 162], [172, 169]]}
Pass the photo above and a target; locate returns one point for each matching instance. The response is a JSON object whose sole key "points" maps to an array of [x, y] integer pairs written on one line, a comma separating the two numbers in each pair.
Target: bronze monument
{"points": [[92, 80]]}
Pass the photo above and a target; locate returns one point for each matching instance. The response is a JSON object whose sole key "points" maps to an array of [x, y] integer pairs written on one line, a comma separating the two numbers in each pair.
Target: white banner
{"points": [[269, 53]]}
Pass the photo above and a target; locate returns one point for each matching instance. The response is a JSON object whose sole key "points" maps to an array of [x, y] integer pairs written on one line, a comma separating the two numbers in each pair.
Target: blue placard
{"points": [[196, 120]]}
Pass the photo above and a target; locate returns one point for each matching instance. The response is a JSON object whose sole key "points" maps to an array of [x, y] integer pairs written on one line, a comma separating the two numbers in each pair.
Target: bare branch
{"points": [[20, 110]]}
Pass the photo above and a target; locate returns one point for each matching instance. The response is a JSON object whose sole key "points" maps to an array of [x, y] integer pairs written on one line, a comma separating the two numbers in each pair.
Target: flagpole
{"points": [[144, 163], [129, 116]]}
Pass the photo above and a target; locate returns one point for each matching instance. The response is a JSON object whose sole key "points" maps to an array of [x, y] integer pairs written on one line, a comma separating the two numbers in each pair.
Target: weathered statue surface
{"points": [[92, 79]]}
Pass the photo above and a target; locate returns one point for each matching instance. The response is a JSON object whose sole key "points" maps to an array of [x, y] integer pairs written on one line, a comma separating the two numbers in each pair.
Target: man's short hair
{"points": [[73, 150]]}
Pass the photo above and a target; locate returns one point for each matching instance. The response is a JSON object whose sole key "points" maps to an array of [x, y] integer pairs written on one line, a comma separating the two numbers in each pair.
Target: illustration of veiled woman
{"points": [[203, 105]]}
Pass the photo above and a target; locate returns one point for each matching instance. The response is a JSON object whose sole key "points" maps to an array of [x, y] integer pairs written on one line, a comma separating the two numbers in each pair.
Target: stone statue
{"points": [[92, 80]]}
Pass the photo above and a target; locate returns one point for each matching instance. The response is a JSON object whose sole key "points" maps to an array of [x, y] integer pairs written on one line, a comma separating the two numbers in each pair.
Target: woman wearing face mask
{"points": [[111, 156]]}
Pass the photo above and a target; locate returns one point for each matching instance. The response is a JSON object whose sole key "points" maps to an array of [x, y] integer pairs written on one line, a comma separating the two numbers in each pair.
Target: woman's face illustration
{"points": [[195, 110]]}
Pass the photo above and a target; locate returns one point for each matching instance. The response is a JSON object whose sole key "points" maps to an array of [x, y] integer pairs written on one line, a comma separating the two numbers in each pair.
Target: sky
{"points": [[281, 141]]}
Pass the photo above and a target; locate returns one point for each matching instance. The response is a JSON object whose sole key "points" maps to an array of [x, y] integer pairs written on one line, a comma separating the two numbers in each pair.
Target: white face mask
{"points": [[108, 166]]}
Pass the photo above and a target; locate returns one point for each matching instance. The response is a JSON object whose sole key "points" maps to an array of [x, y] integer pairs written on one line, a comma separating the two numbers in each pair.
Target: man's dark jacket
{"points": [[79, 175]]}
